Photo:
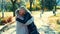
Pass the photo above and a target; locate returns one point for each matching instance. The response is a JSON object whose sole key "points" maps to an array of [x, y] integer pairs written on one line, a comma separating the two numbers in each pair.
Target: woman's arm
{"points": [[19, 20], [27, 17]]}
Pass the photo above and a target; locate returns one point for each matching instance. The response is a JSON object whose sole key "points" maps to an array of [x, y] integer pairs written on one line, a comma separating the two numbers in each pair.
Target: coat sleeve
{"points": [[26, 18], [29, 21], [19, 20]]}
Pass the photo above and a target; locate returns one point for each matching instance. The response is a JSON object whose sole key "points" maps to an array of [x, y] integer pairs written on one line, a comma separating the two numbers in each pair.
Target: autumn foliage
{"points": [[6, 20]]}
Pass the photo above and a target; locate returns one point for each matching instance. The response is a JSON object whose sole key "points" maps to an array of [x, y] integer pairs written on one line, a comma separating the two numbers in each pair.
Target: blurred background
{"points": [[46, 15]]}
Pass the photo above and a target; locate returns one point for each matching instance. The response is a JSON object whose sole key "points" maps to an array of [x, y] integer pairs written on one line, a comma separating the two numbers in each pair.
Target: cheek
{"points": [[21, 13]]}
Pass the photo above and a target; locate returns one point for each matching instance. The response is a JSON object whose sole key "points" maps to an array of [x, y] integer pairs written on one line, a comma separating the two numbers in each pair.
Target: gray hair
{"points": [[22, 7]]}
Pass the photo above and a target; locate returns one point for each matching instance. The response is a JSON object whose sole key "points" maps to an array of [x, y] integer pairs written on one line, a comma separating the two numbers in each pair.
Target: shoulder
{"points": [[28, 13]]}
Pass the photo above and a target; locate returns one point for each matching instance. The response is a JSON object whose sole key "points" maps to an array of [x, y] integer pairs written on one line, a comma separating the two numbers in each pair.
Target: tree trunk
{"points": [[13, 5], [2, 10], [31, 1]]}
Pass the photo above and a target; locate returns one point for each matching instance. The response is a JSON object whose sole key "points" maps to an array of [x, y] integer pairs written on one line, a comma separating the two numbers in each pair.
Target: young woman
{"points": [[25, 22]]}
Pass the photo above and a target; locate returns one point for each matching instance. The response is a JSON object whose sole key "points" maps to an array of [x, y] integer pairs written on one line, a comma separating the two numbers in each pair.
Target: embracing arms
{"points": [[27, 19]]}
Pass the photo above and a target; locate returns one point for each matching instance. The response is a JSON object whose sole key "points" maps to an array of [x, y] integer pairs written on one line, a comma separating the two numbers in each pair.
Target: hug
{"points": [[25, 22]]}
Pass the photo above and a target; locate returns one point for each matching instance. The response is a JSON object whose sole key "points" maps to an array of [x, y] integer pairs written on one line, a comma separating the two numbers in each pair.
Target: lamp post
{"points": [[54, 11], [42, 7]]}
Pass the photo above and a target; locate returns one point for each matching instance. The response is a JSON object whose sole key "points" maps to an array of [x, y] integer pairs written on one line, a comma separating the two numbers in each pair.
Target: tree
{"points": [[49, 4], [42, 7], [22, 3], [2, 9], [31, 2], [14, 6]]}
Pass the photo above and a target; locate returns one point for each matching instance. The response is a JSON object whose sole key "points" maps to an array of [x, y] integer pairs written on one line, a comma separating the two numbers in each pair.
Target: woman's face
{"points": [[21, 12]]}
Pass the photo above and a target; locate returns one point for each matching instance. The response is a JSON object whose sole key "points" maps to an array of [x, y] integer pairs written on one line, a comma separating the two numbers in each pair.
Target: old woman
{"points": [[25, 22]]}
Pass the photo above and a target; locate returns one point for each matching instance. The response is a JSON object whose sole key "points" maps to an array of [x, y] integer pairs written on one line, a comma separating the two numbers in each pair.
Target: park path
{"points": [[39, 21]]}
